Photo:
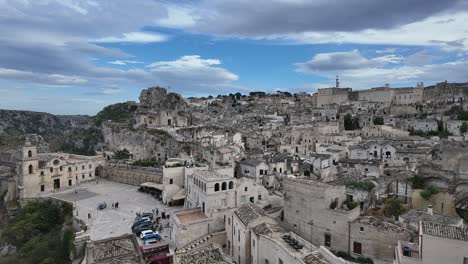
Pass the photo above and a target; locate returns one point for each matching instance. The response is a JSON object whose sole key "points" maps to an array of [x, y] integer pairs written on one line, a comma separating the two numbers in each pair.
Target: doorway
{"points": [[57, 184]]}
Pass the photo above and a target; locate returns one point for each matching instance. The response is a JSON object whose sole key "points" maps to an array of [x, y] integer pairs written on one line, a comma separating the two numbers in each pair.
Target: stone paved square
{"points": [[111, 222]]}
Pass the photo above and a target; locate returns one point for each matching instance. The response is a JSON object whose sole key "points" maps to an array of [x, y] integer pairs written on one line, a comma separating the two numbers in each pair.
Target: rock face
{"points": [[157, 99]]}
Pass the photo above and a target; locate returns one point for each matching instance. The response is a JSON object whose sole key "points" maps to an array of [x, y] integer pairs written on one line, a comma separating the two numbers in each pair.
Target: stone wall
{"points": [[132, 175]]}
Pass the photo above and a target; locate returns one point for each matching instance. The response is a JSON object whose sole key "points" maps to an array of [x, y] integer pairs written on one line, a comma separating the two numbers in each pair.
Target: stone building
{"points": [[123, 249], [379, 94], [409, 95], [327, 96], [211, 196], [271, 244], [157, 108], [437, 244], [40, 173]]}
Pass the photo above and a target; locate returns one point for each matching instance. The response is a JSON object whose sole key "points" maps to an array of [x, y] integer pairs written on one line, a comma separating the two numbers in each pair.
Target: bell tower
{"points": [[28, 169]]}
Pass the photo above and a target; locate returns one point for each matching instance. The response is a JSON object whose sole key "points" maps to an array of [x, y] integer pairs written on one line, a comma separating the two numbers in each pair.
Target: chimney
{"points": [[429, 209]]}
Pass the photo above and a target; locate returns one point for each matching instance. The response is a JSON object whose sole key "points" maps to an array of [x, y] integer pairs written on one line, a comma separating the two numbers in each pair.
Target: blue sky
{"points": [[77, 56]]}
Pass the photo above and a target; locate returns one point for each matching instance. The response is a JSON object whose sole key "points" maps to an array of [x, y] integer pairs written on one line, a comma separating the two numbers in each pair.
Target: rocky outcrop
{"points": [[157, 99]]}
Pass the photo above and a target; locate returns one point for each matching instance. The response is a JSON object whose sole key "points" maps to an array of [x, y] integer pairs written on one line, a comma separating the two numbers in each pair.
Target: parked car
{"points": [[151, 236], [146, 232], [142, 226], [141, 229], [151, 241], [140, 222]]}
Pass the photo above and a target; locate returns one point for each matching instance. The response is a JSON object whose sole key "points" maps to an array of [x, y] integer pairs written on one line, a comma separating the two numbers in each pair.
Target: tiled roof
{"points": [[416, 215], [267, 228], [249, 212], [445, 231]]}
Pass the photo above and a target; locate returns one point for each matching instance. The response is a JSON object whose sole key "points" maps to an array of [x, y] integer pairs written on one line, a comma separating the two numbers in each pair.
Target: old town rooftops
{"points": [[210, 175], [445, 231], [249, 212], [416, 215]]}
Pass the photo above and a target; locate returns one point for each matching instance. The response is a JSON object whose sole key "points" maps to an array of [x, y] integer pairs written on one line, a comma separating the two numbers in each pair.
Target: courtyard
{"points": [[111, 222]]}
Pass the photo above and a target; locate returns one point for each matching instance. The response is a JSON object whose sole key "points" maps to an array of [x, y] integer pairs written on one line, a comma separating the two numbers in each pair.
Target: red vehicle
{"points": [[163, 258], [156, 253]]}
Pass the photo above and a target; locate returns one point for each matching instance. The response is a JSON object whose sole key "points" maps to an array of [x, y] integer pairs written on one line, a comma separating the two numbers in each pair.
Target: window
{"points": [[238, 235], [171, 181], [51, 169], [90, 166], [69, 168], [261, 172], [82, 176], [30, 169], [216, 187], [229, 221], [259, 197], [42, 187], [465, 260], [82, 167], [357, 248], [280, 261], [223, 186], [267, 261], [245, 188], [42, 173], [69, 182], [29, 153], [327, 240], [231, 185], [61, 168], [361, 229], [90, 175]]}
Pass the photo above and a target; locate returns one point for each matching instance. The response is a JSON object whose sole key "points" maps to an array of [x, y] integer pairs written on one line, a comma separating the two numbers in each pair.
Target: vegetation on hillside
{"points": [[351, 123], [378, 120], [120, 112], [146, 163], [121, 154], [79, 141], [418, 182], [441, 132], [41, 234], [364, 185]]}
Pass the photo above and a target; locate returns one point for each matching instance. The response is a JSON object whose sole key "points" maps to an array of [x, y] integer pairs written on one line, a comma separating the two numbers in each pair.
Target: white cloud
{"points": [[450, 35], [342, 61], [124, 62], [56, 79], [193, 69], [134, 37]]}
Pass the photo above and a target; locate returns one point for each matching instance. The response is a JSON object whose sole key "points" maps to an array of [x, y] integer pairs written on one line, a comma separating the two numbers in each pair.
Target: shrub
{"points": [[365, 186], [428, 192], [418, 182], [393, 207]]}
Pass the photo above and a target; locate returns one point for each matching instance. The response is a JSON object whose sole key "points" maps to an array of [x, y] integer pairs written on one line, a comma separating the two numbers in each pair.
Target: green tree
{"points": [[348, 122], [378, 120], [393, 208], [464, 128]]}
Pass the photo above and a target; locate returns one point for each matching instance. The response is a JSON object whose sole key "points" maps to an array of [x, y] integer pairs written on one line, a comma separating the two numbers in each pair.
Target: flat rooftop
{"points": [[187, 218]]}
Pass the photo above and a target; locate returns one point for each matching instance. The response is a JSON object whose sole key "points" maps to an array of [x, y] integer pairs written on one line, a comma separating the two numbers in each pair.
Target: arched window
{"points": [[223, 186], [231, 185], [31, 169], [216, 187], [30, 153]]}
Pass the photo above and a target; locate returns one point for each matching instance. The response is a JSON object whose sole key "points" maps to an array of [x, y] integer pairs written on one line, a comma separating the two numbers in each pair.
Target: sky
{"points": [[77, 56]]}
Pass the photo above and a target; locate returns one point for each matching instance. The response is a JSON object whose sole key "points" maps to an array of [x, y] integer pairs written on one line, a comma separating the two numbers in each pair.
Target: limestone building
{"points": [[40, 173]]}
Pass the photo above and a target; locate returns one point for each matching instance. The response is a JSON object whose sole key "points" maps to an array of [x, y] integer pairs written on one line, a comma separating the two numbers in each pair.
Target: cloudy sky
{"points": [[77, 56]]}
